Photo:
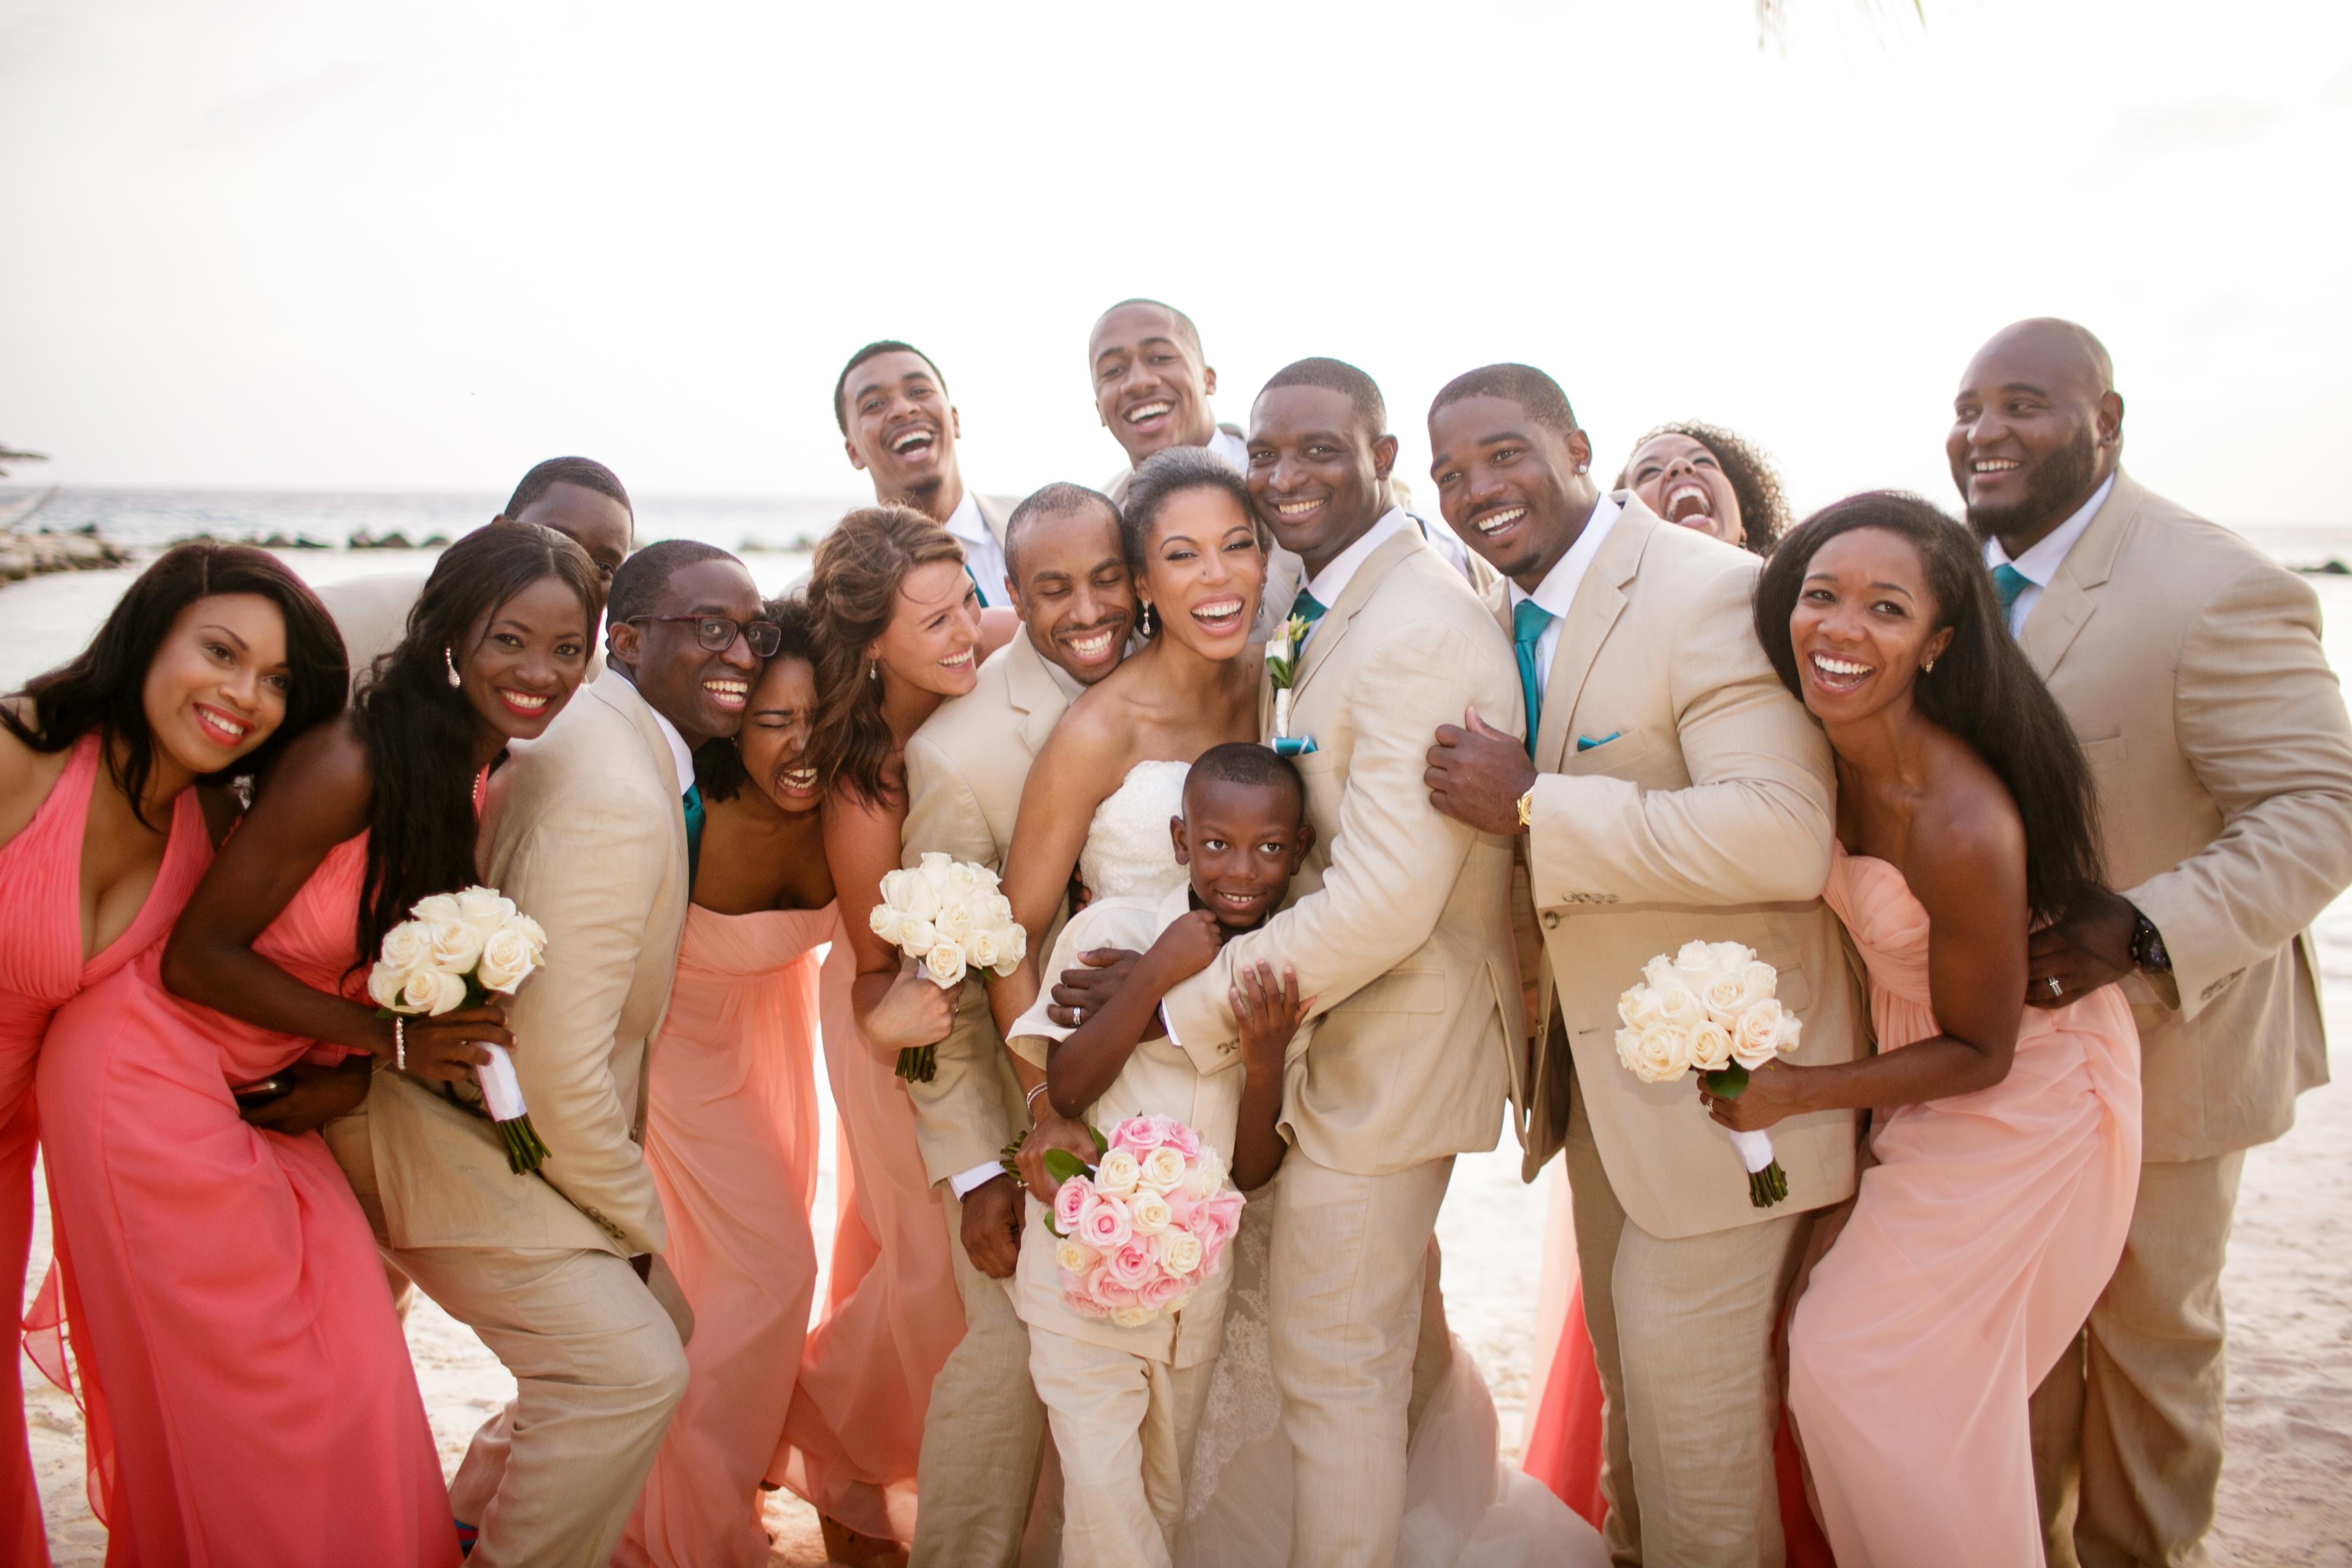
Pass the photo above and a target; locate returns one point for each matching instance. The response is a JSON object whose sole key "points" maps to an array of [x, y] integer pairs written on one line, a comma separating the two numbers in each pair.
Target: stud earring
{"points": [[1928, 666], [450, 664]]}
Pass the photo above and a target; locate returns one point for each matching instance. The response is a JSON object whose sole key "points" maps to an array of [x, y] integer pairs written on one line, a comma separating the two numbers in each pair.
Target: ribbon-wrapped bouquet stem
{"points": [[454, 951], [947, 915], [1711, 1008]]}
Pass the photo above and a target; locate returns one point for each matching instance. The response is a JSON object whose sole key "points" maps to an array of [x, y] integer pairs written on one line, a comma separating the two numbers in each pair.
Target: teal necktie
{"points": [[1529, 623], [691, 801], [1308, 608], [2008, 582], [980, 593]]}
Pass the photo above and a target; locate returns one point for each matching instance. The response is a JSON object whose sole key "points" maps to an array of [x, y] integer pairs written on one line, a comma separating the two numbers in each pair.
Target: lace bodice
{"points": [[1126, 850]]}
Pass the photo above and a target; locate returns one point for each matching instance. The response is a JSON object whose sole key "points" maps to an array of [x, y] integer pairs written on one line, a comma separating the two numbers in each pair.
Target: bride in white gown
{"points": [[1098, 802]]}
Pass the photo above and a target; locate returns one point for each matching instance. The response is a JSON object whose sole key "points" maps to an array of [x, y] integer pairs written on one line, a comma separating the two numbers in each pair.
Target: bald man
{"points": [[2190, 667]]}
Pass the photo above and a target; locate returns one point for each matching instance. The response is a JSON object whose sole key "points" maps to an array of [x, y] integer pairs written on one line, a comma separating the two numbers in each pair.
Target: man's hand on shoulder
{"points": [[1477, 774]]}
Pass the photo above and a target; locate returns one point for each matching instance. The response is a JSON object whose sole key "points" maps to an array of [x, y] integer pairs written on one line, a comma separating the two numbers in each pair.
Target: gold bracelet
{"points": [[1527, 810]]}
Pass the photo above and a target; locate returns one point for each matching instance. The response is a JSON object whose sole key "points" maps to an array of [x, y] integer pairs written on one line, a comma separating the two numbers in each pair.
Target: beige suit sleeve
{"points": [[1394, 855], [1753, 827], [961, 1118], [587, 869], [2261, 722]]}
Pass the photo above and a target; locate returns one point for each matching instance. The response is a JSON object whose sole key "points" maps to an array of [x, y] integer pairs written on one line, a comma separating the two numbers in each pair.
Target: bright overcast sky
{"points": [[417, 247]]}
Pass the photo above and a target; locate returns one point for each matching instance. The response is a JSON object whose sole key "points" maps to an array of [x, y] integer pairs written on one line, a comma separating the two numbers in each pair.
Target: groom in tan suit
{"points": [[2191, 669], [560, 1273], [1674, 791], [984, 1430], [1399, 928]]}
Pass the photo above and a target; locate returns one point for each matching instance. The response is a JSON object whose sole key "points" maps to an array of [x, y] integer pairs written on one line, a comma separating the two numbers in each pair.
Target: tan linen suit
{"points": [[583, 829], [984, 1432], [372, 612], [1705, 811], [1399, 925], [2192, 669]]}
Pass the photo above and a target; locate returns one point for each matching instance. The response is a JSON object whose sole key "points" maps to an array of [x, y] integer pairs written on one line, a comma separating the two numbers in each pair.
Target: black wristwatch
{"points": [[2148, 946]]}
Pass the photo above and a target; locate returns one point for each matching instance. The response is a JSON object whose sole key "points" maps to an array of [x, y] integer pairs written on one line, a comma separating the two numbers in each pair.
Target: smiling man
{"points": [[1670, 789], [1151, 387], [985, 1429], [2191, 669], [901, 431]]}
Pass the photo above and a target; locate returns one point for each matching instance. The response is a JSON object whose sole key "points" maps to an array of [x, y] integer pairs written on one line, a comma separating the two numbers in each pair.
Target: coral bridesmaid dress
{"points": [[41, 969], [731, 1139], [891, 1312], [225, 1290], [1977, 1245]]}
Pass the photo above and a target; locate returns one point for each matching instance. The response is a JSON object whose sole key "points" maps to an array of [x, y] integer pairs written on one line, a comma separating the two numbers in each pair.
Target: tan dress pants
{"points": [[1681, 1333], [1124, 1428], [984, 1432], [2128, 1426]]}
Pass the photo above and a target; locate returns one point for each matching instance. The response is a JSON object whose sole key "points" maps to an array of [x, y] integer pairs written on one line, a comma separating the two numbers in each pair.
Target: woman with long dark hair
{"points": [[732, 1124], [215, 655], [899, 631], [2004, 1157], [261, 1401]]}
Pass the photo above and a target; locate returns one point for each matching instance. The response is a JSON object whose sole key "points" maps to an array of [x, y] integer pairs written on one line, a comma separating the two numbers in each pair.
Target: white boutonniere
{"points": [[1282, 669]]}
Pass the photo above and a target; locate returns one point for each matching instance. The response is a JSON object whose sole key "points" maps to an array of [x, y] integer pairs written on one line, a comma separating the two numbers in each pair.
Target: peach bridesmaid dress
{"points": [[731, 1140], [41, 969], [225, 1292], [1977, 1245], [891, 1310]]}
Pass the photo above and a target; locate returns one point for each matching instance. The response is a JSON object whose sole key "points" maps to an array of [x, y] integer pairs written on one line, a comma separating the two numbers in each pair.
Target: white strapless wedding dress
{"points": [[1464, 1507]]}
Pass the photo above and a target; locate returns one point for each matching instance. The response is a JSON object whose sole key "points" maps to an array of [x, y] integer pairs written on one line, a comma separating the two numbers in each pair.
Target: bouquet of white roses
{"points": [[1711, 1008], [453, 951], [947, 915]]}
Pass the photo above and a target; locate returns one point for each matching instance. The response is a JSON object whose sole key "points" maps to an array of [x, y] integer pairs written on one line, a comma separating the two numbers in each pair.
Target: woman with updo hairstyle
{"points": [[231, 1305], [899, 629], [1702, 477], [732, 1117], [2003, 1159], [110, 766]]}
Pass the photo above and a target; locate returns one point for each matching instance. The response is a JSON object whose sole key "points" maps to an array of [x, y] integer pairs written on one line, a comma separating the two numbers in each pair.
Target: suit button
{"points": [[1551, 920]]}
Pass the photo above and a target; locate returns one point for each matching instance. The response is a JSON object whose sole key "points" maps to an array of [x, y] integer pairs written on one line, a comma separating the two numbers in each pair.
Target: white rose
{"points": [[995, 910], [1734, 955], [962, 883], [1207, 1176], [1655, 1055], [1638, 1008], [452, 944], [1148, 1212], [954, 922], [1180, 1251], [1790, 1030], [919, 898], [1164, 1169], [1756, 1039], [439, 907], [1659, 973], [532, 933], [917, 935], [484, 909], [934, 869], [1763, 981], [894, 887], [383, 987], [434, 991], [1133, 1316], [945, 961], [1726, 996], [1695, 959], [506, 961], [1012, 947], [405, 946], [1710, 1046], [887, 924], [1074, 1257], [1677, 1008], [1116, 1177], [982, 949]]}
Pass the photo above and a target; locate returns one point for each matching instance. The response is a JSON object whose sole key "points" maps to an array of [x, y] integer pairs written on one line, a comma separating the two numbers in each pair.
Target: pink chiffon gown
{"points": [[731, 1140], [1977, 1245], [891, 1310], [225, 1290], [41, 969]]}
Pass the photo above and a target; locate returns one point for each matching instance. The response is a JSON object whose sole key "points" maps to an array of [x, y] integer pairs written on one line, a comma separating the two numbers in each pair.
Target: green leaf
{"points": [[1062, 1165], [1102, 1144], [1727, 1083]]}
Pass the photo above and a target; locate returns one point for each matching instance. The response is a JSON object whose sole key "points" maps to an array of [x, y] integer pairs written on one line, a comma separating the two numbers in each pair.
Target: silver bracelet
{"points": [[1029, 1100], [399, 1044]]}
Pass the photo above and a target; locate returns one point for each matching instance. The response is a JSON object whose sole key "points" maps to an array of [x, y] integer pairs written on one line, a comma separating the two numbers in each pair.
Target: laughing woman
{"points": [[899, 630], [731, 1126], [1704, 477], [262, 1402]]}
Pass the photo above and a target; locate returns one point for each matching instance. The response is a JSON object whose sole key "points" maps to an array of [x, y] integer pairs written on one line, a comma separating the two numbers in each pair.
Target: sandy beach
{"points": [[2286, 1493]]}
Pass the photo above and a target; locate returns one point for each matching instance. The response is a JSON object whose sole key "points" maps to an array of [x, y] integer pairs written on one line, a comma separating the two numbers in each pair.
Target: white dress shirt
{"points": [[1557, 592], [982, 552], [2040, 562], [1230, 446]]}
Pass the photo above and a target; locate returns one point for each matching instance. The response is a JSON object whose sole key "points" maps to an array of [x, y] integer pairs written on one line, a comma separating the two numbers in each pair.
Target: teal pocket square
{"points": [[1586, 742], [1294, 745]]}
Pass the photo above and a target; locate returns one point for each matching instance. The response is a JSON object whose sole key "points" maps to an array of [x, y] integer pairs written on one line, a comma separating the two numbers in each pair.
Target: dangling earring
{"points": [[1147, 620], [874, 669], [450, 665]]}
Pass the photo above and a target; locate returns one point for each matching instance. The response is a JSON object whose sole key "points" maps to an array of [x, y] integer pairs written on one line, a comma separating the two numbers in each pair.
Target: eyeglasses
{"points": [[718, 632]]}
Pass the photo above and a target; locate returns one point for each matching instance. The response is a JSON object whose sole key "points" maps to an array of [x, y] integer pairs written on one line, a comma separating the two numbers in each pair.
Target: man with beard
{"points": [[985, 1429], [2192, 669], [901, 431]]}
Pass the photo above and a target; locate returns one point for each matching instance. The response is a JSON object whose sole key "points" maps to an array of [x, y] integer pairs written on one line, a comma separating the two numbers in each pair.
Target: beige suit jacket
{"points": [[2192, 669], [1705, 811], [1398, 923], [583, 831], [372, 612], [965, 768]]}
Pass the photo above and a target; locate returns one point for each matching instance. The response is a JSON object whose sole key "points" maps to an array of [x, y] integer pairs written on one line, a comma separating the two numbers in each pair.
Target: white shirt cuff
{"points": [[964, 1182]]}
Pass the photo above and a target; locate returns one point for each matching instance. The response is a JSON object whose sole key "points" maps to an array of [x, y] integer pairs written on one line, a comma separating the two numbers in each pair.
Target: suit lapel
{"points": [[1031, 688], [2066, 605], [995, 514], [614, 689], [1333, 628], [1599, 600]]}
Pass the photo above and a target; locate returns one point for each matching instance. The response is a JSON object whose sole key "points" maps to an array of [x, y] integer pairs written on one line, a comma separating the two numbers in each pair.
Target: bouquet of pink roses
{"points": [[1144, 1228]]}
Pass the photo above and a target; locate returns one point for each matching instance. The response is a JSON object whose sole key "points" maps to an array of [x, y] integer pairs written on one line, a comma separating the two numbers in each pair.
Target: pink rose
{"points": [[1075, 1296], [1070, 1202], [1139, 1135], [1181, 1207], [1132, 1264], [1109, 1293], [1103, 1224], [1184, 1140], [1211, 1254], [1161, 1291], [1216, 1219]]}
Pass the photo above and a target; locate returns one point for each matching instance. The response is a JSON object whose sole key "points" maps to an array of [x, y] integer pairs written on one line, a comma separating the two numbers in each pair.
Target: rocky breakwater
{"points": [[27, 554]]}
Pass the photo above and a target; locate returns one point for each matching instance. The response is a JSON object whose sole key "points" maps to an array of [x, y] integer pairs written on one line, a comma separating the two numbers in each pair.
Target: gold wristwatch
{"points": [[1527, 812]]}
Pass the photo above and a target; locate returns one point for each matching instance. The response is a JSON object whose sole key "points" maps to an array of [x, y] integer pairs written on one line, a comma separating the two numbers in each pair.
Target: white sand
{"points": [[2286, 1489]]}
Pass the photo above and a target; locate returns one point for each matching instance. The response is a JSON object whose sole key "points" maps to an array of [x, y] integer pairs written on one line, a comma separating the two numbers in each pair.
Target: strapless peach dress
{"points": [[42, 969], [731, 1140], [891, 1310], [1977, 1245], [225, 1290]]}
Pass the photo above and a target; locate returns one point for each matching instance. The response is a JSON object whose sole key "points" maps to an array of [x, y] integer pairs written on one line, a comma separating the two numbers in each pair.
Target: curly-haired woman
{"points": [[1704, 477]]}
